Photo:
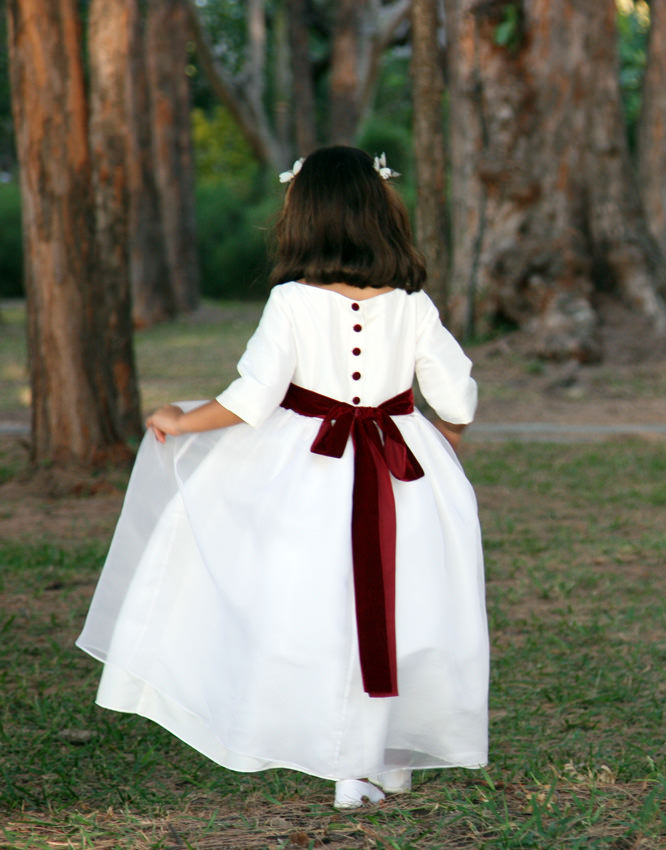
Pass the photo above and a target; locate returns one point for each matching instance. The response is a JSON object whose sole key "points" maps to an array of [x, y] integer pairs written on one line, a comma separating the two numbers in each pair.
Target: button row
{"points": [[356, 376]]}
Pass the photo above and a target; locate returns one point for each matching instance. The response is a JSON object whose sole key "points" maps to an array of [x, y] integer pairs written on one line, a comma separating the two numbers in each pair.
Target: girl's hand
{"points": [[453, 433], [165, 420]]}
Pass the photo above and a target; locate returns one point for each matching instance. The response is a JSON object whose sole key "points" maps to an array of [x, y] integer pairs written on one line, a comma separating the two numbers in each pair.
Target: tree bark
{"points": [[152, 296], [652, 127], [166, 48], [345, 81], [108, 48], [69, 422], [429, 150], [302, 84], [546, 211]]}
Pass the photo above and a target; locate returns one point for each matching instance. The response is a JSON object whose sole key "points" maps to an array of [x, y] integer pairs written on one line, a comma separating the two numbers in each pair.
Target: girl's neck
{"points": [[356, 292]]}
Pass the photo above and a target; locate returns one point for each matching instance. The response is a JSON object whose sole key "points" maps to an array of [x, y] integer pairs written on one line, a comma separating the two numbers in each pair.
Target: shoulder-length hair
{"points": [[342, 222]]}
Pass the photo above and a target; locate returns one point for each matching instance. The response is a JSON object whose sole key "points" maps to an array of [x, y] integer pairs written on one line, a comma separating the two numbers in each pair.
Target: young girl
{"points": [[296, 578]]}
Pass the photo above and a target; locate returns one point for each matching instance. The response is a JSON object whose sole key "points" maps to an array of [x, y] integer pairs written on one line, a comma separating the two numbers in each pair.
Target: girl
{"points": [[296, 578]]}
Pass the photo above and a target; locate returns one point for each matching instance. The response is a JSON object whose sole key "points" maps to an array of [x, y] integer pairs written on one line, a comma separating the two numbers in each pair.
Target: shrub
{"points": [[233, 242], [11, 249]]}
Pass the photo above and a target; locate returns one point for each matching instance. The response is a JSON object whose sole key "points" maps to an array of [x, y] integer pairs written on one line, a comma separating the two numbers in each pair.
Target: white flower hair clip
{"points": [[382, 168], [288, 176]]}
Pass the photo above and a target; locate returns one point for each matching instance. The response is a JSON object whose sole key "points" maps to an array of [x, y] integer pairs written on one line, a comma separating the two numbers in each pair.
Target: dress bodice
{"points": [[361, 352]]}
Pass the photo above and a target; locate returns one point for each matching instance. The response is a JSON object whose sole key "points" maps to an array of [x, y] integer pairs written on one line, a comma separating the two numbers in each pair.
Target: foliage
{"points": [[11, 249], [221, 152], [633, 25], [232, 232], [380, 135], [509, 32], [7, 154]]}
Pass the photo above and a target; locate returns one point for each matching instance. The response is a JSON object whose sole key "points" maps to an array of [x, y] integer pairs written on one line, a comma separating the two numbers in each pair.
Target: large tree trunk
{"points": [[152, 296], [166, 47], [108, 48], [345, 84], [428, 140], [302, 84], [48, 98], [652, 128], [546, 212]]}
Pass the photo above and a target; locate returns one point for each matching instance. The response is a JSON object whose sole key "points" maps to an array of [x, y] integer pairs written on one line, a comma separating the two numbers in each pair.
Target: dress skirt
{"points": [[225, 610]]}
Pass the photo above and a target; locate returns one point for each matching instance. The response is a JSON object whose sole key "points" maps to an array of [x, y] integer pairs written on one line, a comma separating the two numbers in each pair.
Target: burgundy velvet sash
{"points": [[379, 452]]}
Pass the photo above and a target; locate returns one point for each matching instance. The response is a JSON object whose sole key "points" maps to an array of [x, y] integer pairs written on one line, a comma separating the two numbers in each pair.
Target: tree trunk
{"points": [[652, 128], [166, 48], [69, 423], [152, 295], [302, 84], [108, 48], [546, 212], [345, 82], [428, 141]]}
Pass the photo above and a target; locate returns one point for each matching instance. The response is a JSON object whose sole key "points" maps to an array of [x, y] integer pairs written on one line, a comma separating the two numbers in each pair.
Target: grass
{"points": [[576, 602], [576, 591]]}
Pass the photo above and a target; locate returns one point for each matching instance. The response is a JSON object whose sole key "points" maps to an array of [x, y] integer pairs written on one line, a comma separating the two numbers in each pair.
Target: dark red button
{"points": [[356, 376], [355, 306], [356, 351], [356, 400], [358, 328]]}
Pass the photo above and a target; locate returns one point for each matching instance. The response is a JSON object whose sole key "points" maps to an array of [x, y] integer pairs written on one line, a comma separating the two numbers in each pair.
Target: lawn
{"points": [[576, 589]]}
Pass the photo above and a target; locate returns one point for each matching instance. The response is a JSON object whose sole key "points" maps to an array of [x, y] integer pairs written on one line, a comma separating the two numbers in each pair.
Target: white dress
{"points": [[225, 610]]}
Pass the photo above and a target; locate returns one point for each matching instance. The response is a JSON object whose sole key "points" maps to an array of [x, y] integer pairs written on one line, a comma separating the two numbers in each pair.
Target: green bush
{"points": [[232, 237], [233, 241], [11, 249], [379, 136]]}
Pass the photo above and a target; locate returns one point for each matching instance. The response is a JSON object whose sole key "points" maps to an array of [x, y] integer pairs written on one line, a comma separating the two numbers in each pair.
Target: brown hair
{"points": [[342, 222]]}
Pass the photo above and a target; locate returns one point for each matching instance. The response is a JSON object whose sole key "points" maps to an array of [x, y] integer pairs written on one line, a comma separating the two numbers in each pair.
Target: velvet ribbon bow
{"points": [[379, 452]]}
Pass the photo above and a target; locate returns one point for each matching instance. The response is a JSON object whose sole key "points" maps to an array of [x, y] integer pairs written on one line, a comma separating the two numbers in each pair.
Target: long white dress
{"points": [[225, 610]]}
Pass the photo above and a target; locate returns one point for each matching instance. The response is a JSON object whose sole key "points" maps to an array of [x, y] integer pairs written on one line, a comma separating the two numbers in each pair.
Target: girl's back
{"points": [[361, 351]]}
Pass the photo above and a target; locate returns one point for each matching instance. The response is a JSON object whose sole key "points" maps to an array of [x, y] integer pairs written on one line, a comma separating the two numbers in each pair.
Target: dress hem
{"points": [[147, 701]]}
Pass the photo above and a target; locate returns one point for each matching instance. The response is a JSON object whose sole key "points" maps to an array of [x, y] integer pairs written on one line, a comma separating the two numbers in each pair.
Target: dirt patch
{"points": [[56, 505], [627, 387]]}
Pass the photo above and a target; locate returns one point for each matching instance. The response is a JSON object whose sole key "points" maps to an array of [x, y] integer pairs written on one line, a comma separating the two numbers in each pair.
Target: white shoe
{"points": [[354, 793], [396, 781]]}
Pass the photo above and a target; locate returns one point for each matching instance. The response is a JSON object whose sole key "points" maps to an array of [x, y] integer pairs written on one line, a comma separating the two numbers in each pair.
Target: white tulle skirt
{"points": [[225, 609]]}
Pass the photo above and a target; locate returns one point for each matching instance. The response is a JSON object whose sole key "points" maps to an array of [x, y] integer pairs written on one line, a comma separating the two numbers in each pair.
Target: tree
{"points": [[153, 299], [652, 127], [71, 387], [166, 48], [546, 213], [303, 94], [109, 49], [429, 146], [361, 32]]}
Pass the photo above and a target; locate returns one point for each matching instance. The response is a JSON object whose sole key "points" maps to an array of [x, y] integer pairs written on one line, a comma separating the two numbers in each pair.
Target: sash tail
{"points": [[379, 452]]}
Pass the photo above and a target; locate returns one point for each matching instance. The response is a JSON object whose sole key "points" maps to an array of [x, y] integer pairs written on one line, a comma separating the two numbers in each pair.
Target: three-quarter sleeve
{"points": [[266, 367], [443, 370]]}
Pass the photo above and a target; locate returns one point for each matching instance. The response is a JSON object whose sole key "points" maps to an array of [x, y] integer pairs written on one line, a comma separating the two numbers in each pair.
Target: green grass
{"points": [[576, 600]]}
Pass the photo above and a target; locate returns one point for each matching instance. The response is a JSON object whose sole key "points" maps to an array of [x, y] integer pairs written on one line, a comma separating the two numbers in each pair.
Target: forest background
{"points": [[529, 136]]}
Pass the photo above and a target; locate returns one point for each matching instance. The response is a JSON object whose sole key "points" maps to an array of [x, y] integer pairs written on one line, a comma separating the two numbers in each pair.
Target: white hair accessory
{"points": [[382, 168], [288, 176]]}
